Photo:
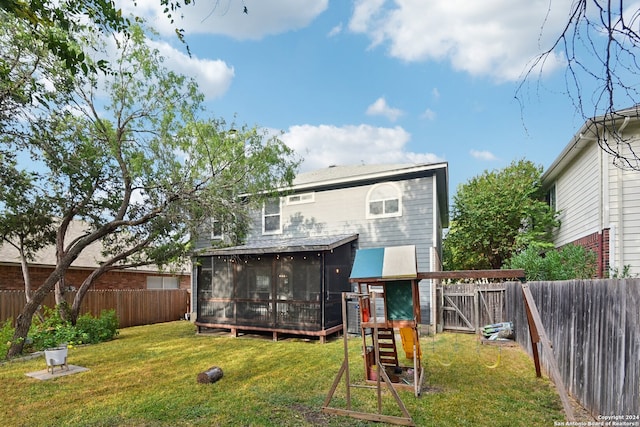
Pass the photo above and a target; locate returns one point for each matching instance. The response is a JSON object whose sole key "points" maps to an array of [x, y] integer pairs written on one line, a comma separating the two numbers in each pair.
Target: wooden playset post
{"points": [[539, 336], [383, 378]]}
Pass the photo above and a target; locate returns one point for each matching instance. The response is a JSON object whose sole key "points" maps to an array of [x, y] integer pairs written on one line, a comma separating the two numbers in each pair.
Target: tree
{"points": [[56, 23], [143, 170], [496, 214], [599, 44], [25, 218]]}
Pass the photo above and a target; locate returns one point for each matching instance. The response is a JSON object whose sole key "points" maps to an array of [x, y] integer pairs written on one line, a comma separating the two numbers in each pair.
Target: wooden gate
{"points": [[468, 307]]}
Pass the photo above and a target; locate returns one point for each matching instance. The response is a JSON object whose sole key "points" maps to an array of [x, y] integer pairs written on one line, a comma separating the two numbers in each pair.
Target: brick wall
{"points": [[11, 278], [598, 242]]}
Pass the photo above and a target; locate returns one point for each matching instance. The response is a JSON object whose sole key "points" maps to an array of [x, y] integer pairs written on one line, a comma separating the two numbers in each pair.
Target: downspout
{"points": [[620, 265], [432, 255], [620, 262], [603, 212]]}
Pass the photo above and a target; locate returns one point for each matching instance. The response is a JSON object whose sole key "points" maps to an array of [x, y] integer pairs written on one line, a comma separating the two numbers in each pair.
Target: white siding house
{"points": [[381, 205], [598, 194]]}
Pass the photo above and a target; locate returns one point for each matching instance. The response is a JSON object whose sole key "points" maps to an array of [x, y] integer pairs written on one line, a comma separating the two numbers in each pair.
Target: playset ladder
{"points": [[387, 347]]}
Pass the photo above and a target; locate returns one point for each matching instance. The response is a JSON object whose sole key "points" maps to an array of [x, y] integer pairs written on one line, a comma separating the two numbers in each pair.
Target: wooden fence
{"points": [[594, 328], [466, 307], [133, 307]]}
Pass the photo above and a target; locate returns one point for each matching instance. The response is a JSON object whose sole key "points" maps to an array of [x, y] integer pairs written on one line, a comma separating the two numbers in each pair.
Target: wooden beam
{"points": [[473, 274], [390, 419], [535, 322], [454, 274]]}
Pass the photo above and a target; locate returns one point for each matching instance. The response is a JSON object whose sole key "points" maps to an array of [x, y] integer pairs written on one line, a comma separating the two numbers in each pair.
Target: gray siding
{"points": [[343, 211]]}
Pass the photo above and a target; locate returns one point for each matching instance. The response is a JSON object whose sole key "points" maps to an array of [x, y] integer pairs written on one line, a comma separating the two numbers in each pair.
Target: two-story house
{"points": [[598, 193], [288, 277]]}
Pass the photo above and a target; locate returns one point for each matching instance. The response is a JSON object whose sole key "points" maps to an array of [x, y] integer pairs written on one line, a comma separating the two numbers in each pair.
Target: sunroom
{"points": [[282, 287]]}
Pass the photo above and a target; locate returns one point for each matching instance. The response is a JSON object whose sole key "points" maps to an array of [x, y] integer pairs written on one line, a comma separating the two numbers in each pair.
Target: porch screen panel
{"points": [[222, 280], [205, 291], [299, 286], [307, 278], [338, 270], [222, 306], [254, 290], [254, 278]]}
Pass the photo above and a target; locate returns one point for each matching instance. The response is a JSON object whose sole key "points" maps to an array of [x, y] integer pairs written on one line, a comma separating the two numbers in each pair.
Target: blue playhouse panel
{"points": [[368, 263], [390, 262]]}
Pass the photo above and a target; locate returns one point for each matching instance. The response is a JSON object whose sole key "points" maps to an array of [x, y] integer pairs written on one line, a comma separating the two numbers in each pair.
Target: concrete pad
{"points": [[58, 372]]}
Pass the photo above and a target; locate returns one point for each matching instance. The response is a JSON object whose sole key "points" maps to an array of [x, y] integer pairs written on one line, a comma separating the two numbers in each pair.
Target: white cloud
{"points": [[429, 114], [494, 38], [325, 145], [483, 155], [435, 93], [381, 108], [335, 30], [213, 76], [227, 17]]}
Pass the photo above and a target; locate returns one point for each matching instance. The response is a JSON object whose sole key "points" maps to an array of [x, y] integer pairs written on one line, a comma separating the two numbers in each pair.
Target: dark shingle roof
{"points": [[284, 245]]}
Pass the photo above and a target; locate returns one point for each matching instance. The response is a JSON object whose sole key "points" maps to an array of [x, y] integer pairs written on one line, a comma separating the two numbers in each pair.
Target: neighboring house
{"points": [[597, 194], [289, 275], [148, 277]]}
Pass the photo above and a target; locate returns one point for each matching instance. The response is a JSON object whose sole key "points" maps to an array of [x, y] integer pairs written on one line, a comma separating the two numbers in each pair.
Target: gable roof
{"points": [[589, 133], [90, 258], [335, 177]]}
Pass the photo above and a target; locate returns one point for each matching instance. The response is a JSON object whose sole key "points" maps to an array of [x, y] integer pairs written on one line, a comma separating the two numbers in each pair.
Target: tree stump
{"points": [[211, 375]]}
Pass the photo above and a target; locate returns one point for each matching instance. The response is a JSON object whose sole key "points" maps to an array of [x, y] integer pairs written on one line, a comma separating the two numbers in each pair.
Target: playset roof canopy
{"points": [[393, 262]]}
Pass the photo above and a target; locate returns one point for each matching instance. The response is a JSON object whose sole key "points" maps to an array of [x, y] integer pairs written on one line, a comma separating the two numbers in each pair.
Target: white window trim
{"points": [[303, 198], [369, 215], [213, 228], [279, 230]]}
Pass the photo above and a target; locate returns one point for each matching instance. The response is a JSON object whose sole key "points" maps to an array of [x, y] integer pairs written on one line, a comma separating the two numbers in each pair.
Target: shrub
{"points": [[6, 334], [570, 262], [51, 330], [99, 329], [625, 273]]}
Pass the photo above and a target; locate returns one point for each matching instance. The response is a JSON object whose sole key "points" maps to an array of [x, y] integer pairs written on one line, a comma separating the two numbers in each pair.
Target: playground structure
{"points": [[386, 283]]}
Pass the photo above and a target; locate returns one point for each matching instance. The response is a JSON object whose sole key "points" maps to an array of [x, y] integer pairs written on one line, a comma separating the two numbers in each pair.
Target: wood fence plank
{"points": [[593, 326], [133, 307]]}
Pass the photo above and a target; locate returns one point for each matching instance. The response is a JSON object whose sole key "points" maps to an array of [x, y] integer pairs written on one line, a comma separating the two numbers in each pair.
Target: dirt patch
{"points": [[312, 415], [426, 389], [580, 413]]}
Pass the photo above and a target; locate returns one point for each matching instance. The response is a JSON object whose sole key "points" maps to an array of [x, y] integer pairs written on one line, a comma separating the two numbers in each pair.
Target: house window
{"points": [[384, 200], [162, 282], [271, 217], [216, 229], [297, 199], [551, 197]]}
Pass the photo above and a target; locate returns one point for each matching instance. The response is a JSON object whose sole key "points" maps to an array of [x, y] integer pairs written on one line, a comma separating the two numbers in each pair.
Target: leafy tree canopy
{"points": [[136, 157], [56, 24], [496, 214]]}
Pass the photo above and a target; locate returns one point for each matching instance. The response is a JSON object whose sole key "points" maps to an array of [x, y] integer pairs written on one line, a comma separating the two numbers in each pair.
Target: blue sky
{"points": [[375, 81]]}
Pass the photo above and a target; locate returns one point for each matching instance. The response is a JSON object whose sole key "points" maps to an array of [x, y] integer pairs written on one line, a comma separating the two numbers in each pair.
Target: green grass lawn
{"points": [[147, 377]]}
